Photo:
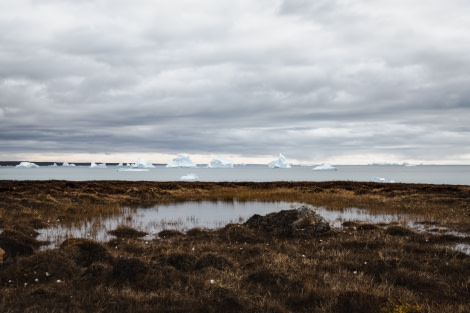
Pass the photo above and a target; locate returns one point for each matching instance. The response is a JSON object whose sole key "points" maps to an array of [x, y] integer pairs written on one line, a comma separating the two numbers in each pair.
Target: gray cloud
{"points": [[314, 80]]}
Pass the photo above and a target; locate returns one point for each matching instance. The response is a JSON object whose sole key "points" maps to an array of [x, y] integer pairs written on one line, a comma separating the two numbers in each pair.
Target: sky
{"points": [[339, 81]]}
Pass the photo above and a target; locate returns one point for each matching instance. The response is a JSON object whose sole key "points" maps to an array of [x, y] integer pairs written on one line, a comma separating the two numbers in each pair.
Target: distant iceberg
{"points": [[141, 163], [279, 163], [181, 160], [325, 167], [132, 169], [66, 164], [190, 177], [383, 164], [381, 180], [27, 165], [220, 163], [94, 165]]}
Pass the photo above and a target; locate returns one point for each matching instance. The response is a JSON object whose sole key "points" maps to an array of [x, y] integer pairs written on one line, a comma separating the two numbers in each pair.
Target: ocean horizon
{"points": [[427, 174]]}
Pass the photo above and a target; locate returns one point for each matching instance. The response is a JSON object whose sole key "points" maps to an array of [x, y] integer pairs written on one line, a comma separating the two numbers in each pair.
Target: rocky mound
{"points": [[301, 220]]}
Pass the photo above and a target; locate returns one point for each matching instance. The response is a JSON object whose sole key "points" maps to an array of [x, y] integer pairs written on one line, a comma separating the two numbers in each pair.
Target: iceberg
{"points": [[66, 164], [181, 160], [141, 163], [27, 165], [94, 165], [279, 163], [132, 169], [190, 177], [325, 167], [381, 180], [220, 163]]}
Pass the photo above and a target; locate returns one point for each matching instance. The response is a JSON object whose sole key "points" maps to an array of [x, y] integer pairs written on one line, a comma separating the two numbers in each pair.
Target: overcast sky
{"points": [[341, 81]]}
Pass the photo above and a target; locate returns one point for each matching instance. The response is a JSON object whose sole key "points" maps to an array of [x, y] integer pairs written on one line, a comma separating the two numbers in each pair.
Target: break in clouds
{"points": [[315, 80]]}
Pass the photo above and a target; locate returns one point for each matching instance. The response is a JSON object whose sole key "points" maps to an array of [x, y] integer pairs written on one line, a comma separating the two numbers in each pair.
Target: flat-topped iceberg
{"points": [[325, 167], [190, 177], [381, 180], [279, 163], [132, 169], [101, 165], [141, 163], [220, 162], [181, 160], [27, 165]]}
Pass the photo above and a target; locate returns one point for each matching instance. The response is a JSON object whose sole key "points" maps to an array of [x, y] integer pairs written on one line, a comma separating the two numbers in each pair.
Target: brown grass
{"points": [[356, 268]]}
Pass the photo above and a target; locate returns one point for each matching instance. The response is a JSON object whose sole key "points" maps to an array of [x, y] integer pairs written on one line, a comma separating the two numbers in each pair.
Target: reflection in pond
{"points": [[210, 215], [462, 247]]}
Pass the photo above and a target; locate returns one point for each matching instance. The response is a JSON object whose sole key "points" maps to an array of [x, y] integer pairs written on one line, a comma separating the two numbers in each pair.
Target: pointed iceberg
{"points": [[181, 160], [279, 163], [220, 162]]}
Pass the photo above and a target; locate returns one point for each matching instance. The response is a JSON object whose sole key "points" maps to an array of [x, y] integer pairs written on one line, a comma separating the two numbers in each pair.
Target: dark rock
{"points": [[301, 220]]}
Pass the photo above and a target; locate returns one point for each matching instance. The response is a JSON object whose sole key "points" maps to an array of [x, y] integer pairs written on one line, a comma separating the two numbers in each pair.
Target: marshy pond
{"points": [[216, 214]]}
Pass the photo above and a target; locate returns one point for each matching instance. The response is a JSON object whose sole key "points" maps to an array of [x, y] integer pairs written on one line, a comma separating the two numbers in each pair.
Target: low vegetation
{"points": [[360, 267]]}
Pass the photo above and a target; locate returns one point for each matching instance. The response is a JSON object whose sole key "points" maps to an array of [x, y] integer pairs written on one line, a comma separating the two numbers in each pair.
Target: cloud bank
{"points": [[347, 81]]}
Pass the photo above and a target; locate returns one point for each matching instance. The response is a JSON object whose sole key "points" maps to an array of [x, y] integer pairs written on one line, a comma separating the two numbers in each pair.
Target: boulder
{"points": [[301, 220]]}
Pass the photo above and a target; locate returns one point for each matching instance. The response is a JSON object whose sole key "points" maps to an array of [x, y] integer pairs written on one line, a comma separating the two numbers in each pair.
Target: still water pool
{"points": [[205, 214]]}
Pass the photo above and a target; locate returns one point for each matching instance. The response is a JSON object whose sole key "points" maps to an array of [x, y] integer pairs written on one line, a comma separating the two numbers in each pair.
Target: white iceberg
{"points": [[279, 163], [132, 169], [381, 180], [220, 162], [190, 177], [141, 163], [94, 165], [181, 160], [27, 165], [325, 167], [66, 164]]}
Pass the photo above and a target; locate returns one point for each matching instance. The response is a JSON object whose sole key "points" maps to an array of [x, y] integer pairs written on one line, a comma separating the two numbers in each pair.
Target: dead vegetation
{"points": [[239, 268]]}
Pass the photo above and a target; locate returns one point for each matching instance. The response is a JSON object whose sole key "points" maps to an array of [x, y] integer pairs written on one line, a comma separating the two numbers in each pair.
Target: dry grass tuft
{"points": [[84, 252], [127, 232]]}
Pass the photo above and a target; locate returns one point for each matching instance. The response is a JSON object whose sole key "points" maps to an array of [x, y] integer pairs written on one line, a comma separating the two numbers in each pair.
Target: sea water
{"points": [[429, 174]]}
